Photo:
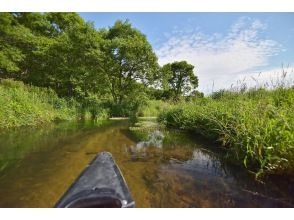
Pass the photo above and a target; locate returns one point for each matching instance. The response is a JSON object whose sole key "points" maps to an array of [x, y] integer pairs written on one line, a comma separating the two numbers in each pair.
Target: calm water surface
{"points": [[170, 169]]}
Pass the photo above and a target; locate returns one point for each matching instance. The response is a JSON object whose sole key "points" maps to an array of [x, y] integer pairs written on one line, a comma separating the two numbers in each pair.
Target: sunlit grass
{"points": [[153, 108], [255, 125], [22, 104]]}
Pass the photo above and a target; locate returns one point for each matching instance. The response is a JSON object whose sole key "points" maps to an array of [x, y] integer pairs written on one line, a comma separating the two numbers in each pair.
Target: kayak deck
{"points": [[101, 184]]}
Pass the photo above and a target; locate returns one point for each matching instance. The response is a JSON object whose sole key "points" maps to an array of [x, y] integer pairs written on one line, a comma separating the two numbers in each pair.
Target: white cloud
{"points": [[270, 78], [221, 59]]}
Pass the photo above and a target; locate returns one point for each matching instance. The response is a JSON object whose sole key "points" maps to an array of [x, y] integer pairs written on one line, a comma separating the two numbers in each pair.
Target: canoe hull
{"points": [[101, 184]]}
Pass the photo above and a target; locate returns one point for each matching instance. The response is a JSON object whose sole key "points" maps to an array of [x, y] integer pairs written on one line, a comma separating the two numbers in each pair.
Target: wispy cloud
{"points": [[221, 59], [270, 78]]}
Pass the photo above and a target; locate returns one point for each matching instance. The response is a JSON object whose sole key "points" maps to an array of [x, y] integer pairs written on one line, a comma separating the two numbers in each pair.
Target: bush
{"points": [[256, 127], [21, 104], [153, 108]]}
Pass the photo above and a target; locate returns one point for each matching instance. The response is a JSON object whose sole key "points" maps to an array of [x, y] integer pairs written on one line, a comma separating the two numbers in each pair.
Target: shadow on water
{"points": [[166, 169]]}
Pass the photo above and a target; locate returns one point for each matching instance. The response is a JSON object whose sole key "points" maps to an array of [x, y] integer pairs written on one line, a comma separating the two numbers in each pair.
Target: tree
{"points": [[72, 64], [178, 79], [67, 54], [128, 59], [195, 95], [23, 37], [13, 38]]}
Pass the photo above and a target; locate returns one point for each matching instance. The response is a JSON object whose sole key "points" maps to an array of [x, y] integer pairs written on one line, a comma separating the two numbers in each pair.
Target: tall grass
{"points": [[153, 108], [256, 126], [21, 105]]}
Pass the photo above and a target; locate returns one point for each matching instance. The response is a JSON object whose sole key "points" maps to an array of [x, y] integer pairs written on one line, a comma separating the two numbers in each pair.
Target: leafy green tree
{"points": [[73, 61], [37, 23], [67, 54], [64, 54], [13, 37], [178, 79], [128, 59], [61, 22], [23, 37], [195, 95]]}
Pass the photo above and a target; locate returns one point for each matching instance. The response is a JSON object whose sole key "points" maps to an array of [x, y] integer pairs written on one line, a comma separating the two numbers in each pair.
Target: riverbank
{"points": [[168, 168], [255, 127], [25, 105]]}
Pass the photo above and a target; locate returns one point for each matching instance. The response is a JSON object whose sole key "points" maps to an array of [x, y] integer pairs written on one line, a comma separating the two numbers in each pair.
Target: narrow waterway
{"points": [[170, 169]]}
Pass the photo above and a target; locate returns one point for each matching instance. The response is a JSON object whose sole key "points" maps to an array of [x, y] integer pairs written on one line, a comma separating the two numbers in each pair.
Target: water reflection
{"points": [[155, 139], [201, 160], [168, 169]]}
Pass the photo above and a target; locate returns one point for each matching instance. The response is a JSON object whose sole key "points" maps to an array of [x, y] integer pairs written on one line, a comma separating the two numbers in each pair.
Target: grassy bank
{"points": [[153, 108], [256, 127], [22, 105]]}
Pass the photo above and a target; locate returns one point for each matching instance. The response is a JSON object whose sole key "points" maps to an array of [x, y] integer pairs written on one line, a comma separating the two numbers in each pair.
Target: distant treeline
{"points": [[114, 67]]}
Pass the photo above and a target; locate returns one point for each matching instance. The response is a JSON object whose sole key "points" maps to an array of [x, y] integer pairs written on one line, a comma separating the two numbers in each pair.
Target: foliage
{"points": [[112, 70], [128, 58], [141, 129], [28, 105], [195, 95], [153, 108], [69, 69], [12, 36], [256, 127], [178, 78], [63, 52]]}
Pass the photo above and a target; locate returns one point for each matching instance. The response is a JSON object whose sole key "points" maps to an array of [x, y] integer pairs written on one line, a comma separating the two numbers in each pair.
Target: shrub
{"points": [[256, 127], [21, 104]]}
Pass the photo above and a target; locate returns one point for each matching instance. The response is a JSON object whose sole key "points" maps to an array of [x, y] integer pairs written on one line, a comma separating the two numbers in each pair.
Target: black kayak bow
{"points": [[100, 185]]}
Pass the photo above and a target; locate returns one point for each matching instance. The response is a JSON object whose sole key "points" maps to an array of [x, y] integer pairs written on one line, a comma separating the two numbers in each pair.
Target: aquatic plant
{"points": [[256, 127]]}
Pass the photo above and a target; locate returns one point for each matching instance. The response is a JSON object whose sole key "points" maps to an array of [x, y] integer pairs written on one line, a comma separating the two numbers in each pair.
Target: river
{"points": [[37, 165]]}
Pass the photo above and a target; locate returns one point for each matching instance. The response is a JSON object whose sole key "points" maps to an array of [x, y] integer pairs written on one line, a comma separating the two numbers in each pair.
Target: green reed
{"points": [[256, 126]]}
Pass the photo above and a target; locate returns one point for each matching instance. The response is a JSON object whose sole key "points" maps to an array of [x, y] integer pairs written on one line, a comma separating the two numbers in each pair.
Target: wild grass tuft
{"points": [[256, 126], [21, 105], [153, 108]]}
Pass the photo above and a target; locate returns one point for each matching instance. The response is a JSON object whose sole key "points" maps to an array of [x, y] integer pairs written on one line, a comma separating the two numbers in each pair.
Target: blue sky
{"points": [[223, 47]]}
